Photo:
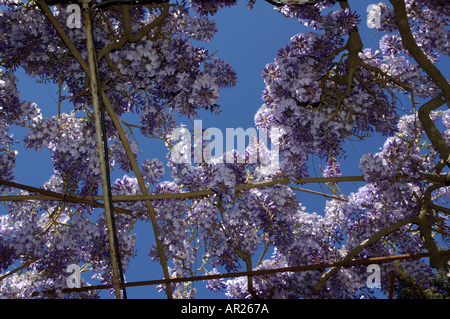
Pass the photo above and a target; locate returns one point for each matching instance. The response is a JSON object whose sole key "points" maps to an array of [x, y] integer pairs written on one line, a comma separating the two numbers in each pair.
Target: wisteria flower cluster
{"points": [[148, 77], [14, 112], [322, 88], [307, 98]]}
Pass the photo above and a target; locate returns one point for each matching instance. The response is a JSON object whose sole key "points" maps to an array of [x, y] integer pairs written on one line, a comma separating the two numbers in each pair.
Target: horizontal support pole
{"points": [[373, 260], [126, 198]]}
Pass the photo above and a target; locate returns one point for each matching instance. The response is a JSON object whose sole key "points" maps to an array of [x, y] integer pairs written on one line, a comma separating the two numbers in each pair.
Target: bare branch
{"points": [[432, 132], [409, 43], [25, 265], [128, 34], [49, 195], [325, 195], [48, 13]]}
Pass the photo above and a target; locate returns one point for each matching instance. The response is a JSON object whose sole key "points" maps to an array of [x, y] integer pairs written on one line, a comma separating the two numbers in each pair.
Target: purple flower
{"points": [[339, 22], [300, 44], [270, 73], [332, 169], [372, 168], [152, 170], [308, 91], [215, 285], [205, 91], [287, 112], [264, 119], [391, 44]]}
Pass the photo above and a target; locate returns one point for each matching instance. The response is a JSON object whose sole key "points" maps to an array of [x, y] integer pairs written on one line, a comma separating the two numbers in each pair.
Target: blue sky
{"points": [[248, 40]]}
